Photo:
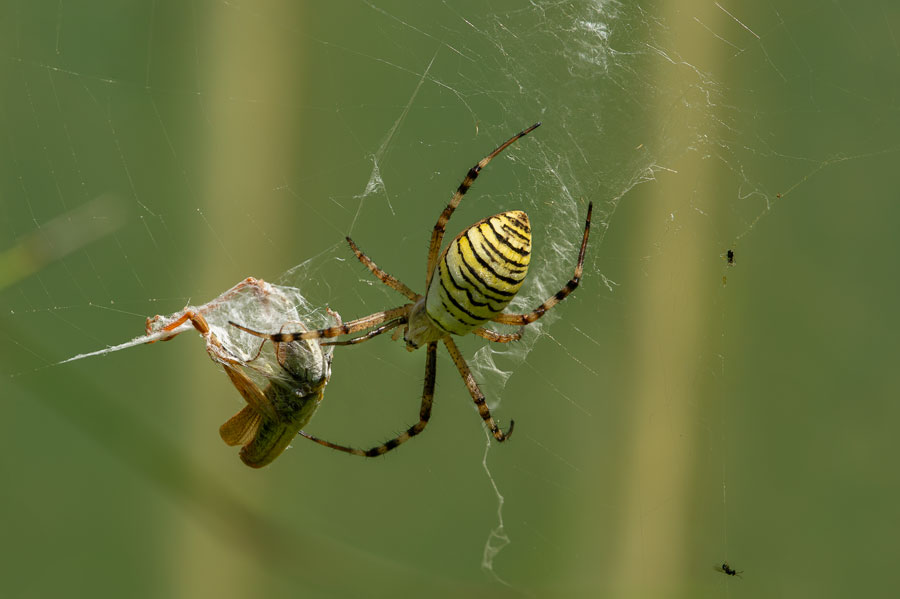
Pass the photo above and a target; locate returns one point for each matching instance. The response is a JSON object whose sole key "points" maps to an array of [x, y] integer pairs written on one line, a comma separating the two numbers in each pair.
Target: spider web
{"points": [[156, 153]]}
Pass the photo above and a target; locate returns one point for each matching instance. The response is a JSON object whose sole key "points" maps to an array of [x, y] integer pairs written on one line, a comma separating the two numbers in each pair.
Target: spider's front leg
{"points": [[437, 234], [384, 277], [347, 328], [373, 333]]}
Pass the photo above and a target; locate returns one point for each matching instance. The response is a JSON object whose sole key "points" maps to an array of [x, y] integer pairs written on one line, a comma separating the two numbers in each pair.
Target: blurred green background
{"points": [[674, 413]]}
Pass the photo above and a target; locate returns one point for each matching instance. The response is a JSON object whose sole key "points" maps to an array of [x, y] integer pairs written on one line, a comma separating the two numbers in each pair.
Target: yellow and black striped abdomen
{"points": [[480, 272]]}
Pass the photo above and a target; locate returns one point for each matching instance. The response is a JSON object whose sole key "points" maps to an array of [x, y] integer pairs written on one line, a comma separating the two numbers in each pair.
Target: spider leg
{"points": [[437, 235], [475, 392], [278, 346], [335, 316], [499, 337], [424, 415], [353, 326], [385, 278], [523, 319], [382, 329]]}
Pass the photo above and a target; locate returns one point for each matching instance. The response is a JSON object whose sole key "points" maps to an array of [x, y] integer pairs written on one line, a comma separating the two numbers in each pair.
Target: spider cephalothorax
{"points": [[467, 285]]}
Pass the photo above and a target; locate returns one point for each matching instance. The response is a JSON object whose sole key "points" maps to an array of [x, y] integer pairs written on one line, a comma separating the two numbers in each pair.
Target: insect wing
{"points": [[242, 427], [250, 392]]}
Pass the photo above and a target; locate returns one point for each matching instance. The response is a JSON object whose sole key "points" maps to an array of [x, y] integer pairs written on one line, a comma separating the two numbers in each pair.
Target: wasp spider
{"points": [[467, 285]]}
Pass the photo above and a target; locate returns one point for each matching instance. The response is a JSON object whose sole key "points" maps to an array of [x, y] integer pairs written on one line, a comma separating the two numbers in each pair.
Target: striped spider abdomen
{"points": [[480, 272]]}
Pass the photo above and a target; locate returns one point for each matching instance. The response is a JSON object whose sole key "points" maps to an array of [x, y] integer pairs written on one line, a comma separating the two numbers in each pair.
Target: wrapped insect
{"points": [[282, 382]]}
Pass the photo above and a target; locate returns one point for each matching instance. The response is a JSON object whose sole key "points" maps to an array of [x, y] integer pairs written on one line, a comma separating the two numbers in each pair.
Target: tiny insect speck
{"points": [[726, 569]]}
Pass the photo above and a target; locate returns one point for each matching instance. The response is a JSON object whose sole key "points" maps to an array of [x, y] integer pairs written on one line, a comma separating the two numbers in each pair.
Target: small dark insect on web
{"points": [[726, 569], [729, 260]]}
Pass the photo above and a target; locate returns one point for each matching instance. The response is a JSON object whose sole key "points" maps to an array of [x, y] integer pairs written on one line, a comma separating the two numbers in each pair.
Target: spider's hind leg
{"points": [[499, 337], [523, 319], [476, 393]]}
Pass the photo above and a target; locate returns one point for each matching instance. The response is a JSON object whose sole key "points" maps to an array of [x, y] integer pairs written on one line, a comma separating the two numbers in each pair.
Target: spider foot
{"points": [[501, 436]]}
